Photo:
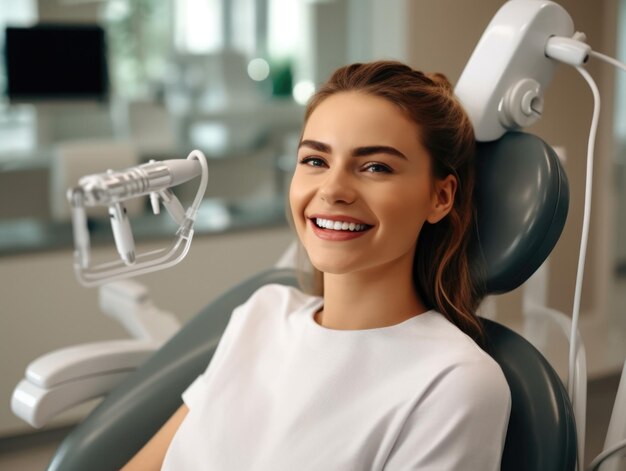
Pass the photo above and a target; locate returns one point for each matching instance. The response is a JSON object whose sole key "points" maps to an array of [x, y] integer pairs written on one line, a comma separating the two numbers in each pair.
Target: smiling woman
{"points": [[413, 149], [367, 166], [379, 370]]}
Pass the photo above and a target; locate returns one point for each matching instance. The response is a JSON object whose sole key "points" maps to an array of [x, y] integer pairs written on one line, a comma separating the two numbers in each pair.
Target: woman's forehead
{"points": [[355, 119]]}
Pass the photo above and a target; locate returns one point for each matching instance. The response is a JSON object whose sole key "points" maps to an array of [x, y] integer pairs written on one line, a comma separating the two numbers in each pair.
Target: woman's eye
{"points": [[378, 168], [312, 161]]}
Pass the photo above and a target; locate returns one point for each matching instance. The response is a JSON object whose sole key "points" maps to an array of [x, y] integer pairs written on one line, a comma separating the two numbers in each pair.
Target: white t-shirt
{"points": [[283, 393]]}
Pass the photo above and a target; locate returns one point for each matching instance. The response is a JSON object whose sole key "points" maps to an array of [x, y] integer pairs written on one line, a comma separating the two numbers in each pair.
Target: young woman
{"points": [[381, 368]]}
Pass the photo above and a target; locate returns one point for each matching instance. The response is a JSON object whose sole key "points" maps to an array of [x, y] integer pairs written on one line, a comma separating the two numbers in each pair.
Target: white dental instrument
{"points": [[111, 189]]}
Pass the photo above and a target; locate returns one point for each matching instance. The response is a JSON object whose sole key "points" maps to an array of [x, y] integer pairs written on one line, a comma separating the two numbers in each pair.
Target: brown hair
{"points": [[441, 271]]}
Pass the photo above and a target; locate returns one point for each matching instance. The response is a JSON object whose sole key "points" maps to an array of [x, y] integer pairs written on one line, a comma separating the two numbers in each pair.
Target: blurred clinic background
{"points": [[87, 85]]}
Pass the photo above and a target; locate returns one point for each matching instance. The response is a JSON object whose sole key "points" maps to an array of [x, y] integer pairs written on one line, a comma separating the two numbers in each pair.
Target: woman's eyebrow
{"points": [[315, 145], [370, 150], [358, 152]]}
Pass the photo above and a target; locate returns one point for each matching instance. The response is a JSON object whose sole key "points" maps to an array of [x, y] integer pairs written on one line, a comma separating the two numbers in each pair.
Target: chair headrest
{"points": [[521, 200]]}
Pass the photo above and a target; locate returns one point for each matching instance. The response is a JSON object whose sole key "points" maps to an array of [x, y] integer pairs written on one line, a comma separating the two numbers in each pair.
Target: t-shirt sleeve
{"points": [[274, 293], [460, 423], [193, 394]]}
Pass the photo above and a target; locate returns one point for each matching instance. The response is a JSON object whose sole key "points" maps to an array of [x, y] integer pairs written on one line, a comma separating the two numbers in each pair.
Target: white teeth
{"points": [[339, 225]]}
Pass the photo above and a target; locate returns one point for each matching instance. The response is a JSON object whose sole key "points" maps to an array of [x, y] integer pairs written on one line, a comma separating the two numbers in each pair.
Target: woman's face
{"points": [[362, 187]]}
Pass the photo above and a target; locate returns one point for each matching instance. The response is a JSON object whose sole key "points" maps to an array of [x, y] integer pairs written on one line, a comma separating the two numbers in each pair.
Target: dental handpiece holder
{"points": [[112, 189]]}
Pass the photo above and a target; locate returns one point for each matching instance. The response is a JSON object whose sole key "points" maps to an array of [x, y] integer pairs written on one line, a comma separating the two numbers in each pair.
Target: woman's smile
{"points": [[338, 228]]}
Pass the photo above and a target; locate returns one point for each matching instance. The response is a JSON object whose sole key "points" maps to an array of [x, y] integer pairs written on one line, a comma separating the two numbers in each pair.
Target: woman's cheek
{"points": [[296, 201]]}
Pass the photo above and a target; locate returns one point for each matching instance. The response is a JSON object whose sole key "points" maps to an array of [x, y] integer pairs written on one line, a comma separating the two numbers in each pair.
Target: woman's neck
{"points": [[370, 299]]}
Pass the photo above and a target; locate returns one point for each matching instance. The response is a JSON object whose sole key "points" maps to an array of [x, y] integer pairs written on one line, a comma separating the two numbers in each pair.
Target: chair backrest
{"points": [[542, 430], [521, 202]]}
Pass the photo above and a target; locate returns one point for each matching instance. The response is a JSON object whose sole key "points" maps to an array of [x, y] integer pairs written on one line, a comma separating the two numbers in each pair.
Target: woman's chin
{"points": [[334, 267]]}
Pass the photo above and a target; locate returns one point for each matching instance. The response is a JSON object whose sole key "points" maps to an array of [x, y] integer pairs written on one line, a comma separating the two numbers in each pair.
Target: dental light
{"points": [[112, 189], [502, 88], [502, 84]]}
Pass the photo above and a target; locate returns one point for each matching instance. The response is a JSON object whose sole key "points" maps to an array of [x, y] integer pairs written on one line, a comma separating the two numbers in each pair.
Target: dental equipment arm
{"points": [[112, 189]]}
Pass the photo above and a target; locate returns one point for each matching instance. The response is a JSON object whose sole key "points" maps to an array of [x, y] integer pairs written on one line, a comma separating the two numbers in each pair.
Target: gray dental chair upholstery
{"points": [[521, 201]]}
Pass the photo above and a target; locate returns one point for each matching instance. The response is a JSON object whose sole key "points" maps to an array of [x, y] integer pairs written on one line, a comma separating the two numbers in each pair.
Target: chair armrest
{"points": [[37, 406], [73, 363], [67, 377]]}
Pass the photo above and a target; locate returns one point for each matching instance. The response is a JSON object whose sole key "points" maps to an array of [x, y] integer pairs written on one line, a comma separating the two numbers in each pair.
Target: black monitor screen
{"points": [[56, 62]]}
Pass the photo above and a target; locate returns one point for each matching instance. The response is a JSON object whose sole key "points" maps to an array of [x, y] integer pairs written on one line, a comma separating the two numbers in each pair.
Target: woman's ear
{"points": [[443, 198]]}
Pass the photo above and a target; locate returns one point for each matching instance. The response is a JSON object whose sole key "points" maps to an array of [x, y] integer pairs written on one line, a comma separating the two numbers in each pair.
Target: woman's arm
{"points": [[151, 456]]}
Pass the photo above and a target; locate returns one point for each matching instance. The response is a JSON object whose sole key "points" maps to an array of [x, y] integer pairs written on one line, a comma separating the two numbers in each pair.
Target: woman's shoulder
{"points": [[476, 389], [466, 374], [452, 341], [464, 361]]}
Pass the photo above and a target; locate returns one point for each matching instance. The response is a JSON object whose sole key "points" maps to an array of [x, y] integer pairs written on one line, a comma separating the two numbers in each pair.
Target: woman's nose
{"points": [[338, 187]]}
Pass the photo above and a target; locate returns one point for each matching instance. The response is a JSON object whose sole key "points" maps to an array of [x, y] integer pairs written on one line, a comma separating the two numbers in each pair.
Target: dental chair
{"points": [[521, 201]]}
